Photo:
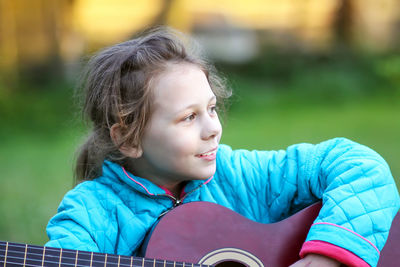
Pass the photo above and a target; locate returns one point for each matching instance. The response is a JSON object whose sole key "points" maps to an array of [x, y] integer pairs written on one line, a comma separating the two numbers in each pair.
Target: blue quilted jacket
{"points": [[113, 213]]}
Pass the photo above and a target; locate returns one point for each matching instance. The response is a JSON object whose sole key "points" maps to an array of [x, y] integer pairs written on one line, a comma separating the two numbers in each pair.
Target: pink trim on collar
{"points": [[209, 179], [126, 173], [166, 190], [206, 182]]}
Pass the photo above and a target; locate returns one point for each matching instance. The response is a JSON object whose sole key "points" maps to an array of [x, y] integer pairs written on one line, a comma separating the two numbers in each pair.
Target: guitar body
{"points": [[207, 233], [200, 234]]}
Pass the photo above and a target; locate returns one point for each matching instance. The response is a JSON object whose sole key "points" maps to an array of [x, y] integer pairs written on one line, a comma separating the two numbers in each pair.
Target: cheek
{"points": [[171, 141], [184, 144], [164, 141], [183, 141], [178, 152]]}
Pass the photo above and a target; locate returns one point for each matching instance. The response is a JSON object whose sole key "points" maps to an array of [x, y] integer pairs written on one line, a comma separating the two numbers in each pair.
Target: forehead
{"points": [[180, 86]]}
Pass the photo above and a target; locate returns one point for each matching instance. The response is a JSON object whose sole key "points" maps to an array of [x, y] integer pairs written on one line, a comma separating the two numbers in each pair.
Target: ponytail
{"points": [[97, 147]]}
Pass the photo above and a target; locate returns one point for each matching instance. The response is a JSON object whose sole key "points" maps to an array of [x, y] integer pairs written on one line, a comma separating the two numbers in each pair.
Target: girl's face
{"points": [[181, 138]]}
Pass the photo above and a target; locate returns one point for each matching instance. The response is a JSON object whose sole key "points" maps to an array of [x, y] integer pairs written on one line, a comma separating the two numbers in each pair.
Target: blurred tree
{"points": [[30, 39], [343, 23]]}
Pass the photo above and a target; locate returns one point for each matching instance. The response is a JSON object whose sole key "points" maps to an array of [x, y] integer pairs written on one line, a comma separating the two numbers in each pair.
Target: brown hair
{"points": [[117, 89]]}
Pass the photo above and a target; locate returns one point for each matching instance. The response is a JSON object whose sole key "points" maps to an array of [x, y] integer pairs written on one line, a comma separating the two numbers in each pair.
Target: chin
{"points": [[207, 174]]}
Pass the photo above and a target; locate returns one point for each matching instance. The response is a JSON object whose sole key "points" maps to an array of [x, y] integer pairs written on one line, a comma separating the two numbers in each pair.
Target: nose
{"points": [[211, 127]]}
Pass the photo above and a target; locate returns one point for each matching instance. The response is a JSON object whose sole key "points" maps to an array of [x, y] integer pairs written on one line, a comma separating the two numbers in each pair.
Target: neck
{"points": [[175, 191], [171, 186]]}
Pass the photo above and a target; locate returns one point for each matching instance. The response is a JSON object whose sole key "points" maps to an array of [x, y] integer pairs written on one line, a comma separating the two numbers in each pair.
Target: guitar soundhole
{"points": [[230, 264]]}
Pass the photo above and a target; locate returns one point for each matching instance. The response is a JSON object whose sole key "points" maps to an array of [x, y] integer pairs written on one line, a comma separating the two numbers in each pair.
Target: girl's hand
{"points": [[315, 260]]}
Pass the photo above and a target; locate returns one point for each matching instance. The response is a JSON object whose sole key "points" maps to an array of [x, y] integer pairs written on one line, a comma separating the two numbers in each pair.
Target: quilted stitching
{"points": [[111, 214]]}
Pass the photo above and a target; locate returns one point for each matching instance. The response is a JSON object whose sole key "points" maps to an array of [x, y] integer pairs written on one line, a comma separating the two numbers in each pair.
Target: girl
{"points": [[155, 145]]}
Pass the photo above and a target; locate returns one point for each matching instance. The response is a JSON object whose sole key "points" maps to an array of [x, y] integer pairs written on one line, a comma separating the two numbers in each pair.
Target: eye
{"points": [[189, 118], [212, 109]]}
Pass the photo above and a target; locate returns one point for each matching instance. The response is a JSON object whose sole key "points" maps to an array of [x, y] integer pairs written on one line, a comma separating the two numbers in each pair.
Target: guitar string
{"points": [[31, 265], [48, 249], [79, 265], [140, 263], [64, 257], [83, 260]]}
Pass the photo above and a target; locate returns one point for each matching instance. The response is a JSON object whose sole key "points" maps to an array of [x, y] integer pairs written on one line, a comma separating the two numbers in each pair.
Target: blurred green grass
{"points": [[278, 101]]}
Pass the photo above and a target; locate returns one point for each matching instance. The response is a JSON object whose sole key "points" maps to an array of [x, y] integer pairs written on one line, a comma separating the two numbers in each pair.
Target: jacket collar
{"points": [[143, 185]]}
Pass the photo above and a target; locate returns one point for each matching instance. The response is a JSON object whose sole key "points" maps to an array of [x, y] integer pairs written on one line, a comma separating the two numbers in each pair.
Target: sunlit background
{"points": [[300, 70]]}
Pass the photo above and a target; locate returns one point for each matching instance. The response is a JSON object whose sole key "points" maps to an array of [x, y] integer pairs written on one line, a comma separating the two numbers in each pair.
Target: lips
{"points": [[209, 155], [206, 154]]}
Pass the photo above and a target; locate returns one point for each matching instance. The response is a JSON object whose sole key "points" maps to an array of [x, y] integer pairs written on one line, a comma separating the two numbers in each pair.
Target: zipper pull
{"points": [[177, 202]]}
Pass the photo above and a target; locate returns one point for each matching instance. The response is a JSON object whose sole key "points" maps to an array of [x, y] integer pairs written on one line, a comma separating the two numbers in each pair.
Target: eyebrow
{"points": [[193, 105]]}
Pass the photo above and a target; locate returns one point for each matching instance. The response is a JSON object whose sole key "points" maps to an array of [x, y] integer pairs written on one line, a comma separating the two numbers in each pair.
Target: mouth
{"points": [[209, 154]]}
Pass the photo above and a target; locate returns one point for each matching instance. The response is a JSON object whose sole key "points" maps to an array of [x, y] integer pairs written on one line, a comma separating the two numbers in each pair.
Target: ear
{"points": [[126, 150]]}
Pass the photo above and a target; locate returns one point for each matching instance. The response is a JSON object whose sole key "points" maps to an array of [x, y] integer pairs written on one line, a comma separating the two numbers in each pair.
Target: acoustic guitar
{"points": [[200, 234], [208, 233]]}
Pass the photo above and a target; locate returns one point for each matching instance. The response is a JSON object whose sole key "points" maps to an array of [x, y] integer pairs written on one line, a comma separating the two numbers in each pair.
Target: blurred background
{"points": [[301, 71]]}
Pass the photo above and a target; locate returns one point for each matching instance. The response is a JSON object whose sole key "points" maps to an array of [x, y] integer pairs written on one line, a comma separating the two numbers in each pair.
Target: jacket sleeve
{"points": [[359, 196], [71, 227]]}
